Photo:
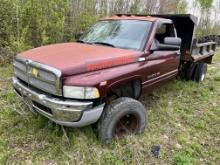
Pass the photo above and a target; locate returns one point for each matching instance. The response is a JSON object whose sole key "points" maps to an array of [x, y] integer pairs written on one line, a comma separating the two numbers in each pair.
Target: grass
{"points": [[183, 119]]}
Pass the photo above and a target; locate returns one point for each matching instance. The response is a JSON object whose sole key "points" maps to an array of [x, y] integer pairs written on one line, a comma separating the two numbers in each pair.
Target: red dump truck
{"points": [[99, 78]]}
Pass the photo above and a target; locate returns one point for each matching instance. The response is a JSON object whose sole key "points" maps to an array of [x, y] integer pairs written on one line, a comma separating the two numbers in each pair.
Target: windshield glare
{"points": [[127, 34]]}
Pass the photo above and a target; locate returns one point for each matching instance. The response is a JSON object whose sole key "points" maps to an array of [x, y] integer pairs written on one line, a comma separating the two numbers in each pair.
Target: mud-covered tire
{"points": [[126, 114], [200, 72]]}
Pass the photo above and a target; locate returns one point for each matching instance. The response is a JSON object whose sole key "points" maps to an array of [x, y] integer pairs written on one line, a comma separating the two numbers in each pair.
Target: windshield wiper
{"points": [[104, 43]]}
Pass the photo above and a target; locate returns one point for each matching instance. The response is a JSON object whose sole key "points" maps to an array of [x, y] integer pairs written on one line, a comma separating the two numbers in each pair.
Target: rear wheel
{"points": [[124, 116], [200, 72], [190, 73], [195, 71]]}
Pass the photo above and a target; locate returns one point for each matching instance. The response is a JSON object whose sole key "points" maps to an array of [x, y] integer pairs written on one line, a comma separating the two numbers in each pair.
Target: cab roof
{"points": [[131, 17]]}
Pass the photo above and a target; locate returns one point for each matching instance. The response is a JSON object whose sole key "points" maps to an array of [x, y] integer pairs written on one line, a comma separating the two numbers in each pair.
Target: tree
{"points": [[6, 21], [205, 24]]}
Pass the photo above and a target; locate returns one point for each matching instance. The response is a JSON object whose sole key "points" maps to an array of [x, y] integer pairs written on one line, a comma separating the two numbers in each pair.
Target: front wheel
{"points": [[124, 116]]}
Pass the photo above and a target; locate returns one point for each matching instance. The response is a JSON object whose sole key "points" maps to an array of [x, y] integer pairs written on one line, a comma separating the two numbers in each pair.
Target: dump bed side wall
{"points": [[203, 52]]}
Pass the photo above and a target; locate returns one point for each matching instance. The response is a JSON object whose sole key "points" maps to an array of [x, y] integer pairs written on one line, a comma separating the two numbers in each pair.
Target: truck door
{"points": [[162, 63]]}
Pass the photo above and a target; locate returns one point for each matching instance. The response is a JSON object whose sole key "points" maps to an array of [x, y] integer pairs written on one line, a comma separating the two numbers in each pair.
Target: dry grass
{"points": [[184, 119]]}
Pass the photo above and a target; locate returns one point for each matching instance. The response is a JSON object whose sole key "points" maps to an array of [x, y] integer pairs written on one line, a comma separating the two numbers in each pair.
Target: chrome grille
{"points": [[47, 76], [40, 76], [47, 87], [20, 65], [20, 70]]}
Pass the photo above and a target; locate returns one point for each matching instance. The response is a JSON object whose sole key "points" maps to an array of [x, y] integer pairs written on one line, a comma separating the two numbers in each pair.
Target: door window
{"points": [[164, 30]]}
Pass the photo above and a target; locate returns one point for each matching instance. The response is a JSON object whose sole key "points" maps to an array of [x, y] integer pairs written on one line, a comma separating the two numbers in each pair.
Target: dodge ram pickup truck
{"points": [[99, 78]]}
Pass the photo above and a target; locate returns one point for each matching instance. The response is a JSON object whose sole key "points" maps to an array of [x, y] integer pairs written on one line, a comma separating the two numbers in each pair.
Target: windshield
{"points": [[127, 34]]}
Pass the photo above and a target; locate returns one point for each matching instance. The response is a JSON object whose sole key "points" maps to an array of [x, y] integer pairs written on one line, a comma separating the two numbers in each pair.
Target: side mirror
{"points": [[78, 35], [172, 41]]}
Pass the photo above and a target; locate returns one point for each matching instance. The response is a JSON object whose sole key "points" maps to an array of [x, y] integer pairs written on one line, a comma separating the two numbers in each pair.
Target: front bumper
{"points": [[64, 112]]}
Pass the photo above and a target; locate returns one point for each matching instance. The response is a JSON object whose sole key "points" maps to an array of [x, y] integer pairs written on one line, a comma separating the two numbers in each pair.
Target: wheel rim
{"points": [[203, 77], [127, 124], [204, 73]]}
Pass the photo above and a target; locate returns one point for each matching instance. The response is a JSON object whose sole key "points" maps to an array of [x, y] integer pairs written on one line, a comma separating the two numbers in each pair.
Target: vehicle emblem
{"points": [[35, 72], [153, 75]]}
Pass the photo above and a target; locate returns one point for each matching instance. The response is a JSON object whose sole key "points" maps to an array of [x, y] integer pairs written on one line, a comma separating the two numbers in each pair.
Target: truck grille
{"points": [[40, 76]]}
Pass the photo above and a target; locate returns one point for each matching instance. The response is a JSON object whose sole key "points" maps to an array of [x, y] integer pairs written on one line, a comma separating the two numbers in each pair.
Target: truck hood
{"points": [[75, 58]]}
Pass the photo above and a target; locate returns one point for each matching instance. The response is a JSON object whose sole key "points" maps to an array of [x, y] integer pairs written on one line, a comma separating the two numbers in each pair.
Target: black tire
{"points": [[200, 72], [121, 117], [191, 72]]}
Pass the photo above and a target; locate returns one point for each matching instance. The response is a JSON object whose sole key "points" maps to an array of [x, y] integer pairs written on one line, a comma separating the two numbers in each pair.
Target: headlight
{"points": [[80, 92]]}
